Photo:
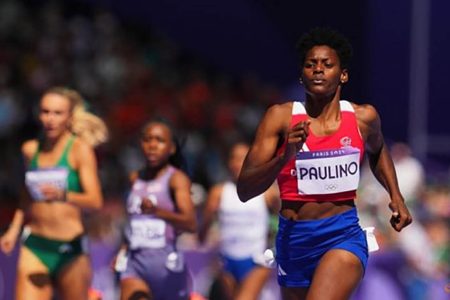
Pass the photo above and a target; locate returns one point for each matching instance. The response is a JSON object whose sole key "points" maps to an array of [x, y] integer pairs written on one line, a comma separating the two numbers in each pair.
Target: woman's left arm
{"points": [[91, 197], [381, 163], [184, 217]]}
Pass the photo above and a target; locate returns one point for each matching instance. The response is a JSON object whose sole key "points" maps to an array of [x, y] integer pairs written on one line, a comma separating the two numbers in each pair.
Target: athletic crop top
{"points": [[144, 230], [327, 168], [73, 179]]}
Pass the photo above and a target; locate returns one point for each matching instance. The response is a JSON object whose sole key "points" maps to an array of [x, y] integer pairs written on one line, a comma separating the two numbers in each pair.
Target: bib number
{"points": [[147, 233], [36, 179], [327, 171]]}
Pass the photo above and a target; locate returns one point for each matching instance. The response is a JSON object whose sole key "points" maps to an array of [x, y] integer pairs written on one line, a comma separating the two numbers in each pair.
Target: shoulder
{"points": [[365, 113], [133, 176], [277, 117], [81, 149], [179, 178], [82, 154], [282, 109], [368, 120], [29, 148], [81, 145]]}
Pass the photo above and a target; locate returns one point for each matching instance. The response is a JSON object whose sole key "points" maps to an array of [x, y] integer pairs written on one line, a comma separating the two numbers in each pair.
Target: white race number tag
{"points": [[35, 179], [147, 233], [327, 171]]}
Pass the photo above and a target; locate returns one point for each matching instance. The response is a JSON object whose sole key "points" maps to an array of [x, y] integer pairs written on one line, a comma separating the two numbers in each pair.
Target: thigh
{"points": [[337, 276], [33, 279], [134, 289], [74, 279], [253, 283]]}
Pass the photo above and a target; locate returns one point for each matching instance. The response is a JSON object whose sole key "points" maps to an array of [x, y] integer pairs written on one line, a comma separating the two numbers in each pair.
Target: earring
{"points": [[301, 81]]}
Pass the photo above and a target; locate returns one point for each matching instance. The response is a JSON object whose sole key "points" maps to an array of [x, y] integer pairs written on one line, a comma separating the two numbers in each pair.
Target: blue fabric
{"points": [[239, 268], [301, 244]]}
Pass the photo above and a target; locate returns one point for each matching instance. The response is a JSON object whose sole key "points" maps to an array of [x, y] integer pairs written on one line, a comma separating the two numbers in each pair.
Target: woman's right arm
{"points": [[210, 211], [262, 164], [9, 238]]}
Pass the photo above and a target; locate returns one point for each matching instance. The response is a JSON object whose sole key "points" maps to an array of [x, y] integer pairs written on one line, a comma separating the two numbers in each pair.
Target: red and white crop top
{"points": [[328, 167]]}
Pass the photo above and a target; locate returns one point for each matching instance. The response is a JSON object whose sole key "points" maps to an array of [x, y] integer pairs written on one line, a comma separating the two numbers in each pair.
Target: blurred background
{"points": [[213, 67]]}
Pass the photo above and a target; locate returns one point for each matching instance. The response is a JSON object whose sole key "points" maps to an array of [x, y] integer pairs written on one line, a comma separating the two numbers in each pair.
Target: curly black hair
{"points": [[328, 37]]}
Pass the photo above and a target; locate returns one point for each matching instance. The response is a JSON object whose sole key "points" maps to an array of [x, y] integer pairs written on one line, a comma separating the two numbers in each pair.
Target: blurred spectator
{"points": [[421, 251], [410, 173]]}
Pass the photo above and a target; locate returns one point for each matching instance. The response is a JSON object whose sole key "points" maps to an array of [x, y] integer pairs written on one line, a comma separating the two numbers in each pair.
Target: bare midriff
{"points": [[56, 220], [301, 210]]}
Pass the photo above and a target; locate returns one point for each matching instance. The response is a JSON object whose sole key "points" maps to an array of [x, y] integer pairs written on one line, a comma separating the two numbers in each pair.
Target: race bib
{"points": [[35, 179], [147, 233], [327, 171]]}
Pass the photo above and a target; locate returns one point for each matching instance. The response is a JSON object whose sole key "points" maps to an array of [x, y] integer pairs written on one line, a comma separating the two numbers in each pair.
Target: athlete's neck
{"points": [[51, 143], [152, 172], [317, 105], [325, 110]]}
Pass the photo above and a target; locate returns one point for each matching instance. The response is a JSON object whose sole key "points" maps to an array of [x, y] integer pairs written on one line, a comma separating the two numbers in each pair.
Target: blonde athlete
{"points": [[62, 180]]}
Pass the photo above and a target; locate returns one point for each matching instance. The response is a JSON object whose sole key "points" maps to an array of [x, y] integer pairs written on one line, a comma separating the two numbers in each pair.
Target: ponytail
{"points": [[85, 125], [88, 127]]}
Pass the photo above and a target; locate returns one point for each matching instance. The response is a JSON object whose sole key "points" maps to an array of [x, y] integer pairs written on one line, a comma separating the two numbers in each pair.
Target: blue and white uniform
{"points": [[243, 231]]}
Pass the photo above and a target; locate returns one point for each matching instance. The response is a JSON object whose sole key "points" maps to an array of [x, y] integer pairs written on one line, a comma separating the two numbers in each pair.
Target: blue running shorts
{"points": [[301, 244], [239, 268]]}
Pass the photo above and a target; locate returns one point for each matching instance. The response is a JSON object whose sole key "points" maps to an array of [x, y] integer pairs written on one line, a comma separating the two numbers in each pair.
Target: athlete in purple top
{"points": [[159, 206]]}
